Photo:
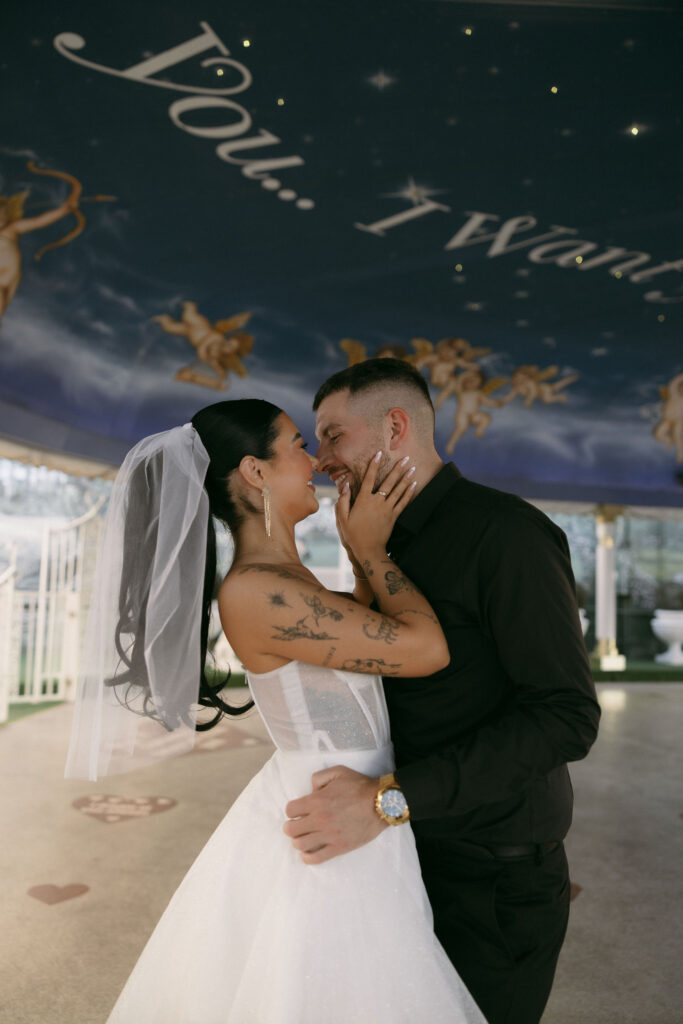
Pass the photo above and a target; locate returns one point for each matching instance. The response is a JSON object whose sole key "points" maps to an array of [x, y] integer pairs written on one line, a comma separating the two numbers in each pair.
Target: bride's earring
{"points": [[266, 509]]}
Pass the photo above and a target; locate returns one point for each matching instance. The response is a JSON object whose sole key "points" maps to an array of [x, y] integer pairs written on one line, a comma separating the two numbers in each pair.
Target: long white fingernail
{"points": [[414, 484], [345, 487], [403, 461], [410, 471], [378, 456]]}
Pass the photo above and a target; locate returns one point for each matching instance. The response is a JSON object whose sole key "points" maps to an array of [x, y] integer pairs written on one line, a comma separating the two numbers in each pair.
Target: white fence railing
{"points": [[41, 630], [41, 637], [7, 666]]}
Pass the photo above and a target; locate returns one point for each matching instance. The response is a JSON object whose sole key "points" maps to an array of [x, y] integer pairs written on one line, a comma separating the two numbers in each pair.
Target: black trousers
{"points": [[501, 921]]}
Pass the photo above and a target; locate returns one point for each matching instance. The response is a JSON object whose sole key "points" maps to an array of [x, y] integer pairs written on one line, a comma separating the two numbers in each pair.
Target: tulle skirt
{"points": [[255, 936]]}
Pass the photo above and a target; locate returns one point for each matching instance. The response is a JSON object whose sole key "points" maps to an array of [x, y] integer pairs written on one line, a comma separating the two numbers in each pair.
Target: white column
{"points": [[606, 590]]}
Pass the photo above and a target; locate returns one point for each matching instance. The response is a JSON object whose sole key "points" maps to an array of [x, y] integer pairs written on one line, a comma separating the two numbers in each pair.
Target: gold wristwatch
{"points": [[390, 802]]}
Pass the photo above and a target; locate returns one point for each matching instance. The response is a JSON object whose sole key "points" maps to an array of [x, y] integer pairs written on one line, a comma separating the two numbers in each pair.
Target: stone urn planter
{"points": [[667, 626]]}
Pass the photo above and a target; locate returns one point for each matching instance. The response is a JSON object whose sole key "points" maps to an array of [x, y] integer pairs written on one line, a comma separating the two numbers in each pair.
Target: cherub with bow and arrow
{"points": [[14, 223]]}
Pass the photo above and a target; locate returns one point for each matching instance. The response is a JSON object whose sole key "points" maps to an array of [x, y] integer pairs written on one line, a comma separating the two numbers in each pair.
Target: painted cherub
{"points": [[443, 359], [220, 346], [530, 384], [669, 430], [13, 224], [357, 352], [472, 391]]}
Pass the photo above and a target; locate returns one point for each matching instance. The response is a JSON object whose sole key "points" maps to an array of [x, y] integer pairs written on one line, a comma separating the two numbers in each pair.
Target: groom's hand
{"points": [[338, 816]]}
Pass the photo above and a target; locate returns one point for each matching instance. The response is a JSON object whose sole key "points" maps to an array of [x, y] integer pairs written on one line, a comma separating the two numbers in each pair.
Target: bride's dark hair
{"points": [[228, 431]]}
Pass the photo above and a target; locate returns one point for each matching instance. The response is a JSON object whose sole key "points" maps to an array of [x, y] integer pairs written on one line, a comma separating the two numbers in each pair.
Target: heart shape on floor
{"points": [[110, 809], [57, 894]]}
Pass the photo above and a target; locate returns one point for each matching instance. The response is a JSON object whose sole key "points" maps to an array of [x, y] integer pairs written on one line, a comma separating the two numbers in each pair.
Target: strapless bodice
{"points": [[310, 709]]}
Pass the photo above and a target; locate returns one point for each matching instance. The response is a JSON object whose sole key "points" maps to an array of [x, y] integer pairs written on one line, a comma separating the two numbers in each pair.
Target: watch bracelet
{"points": [[386, 782]]}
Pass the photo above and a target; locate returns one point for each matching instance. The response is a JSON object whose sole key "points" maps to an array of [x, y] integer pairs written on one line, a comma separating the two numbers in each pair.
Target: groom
{"points": [[482, 746]]}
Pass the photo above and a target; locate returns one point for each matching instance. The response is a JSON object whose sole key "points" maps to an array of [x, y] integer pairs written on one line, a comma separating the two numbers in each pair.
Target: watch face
{"points": [[393, 803]]}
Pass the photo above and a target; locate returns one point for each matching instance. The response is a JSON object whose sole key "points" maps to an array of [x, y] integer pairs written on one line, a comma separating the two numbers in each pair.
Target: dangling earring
{"points": [[266, 509]]}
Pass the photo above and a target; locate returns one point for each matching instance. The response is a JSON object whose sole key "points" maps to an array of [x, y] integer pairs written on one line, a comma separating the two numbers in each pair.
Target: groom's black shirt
{"points": [[482, 746]]}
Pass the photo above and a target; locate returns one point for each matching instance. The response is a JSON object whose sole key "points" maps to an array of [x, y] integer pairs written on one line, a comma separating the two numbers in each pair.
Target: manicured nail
{"points": [[403, 461], [345, 487], [410, 471], [414, 484], [378, 456]]}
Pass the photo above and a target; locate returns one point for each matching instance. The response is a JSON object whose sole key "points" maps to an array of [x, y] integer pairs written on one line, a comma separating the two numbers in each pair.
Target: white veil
{"points": [[141, 659]]}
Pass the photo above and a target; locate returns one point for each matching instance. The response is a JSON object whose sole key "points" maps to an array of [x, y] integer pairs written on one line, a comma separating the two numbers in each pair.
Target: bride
{"points": [[258, 932]]}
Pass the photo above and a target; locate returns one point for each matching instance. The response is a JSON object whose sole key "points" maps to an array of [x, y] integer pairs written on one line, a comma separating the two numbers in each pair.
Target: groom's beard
{"points": [[355, 477]]}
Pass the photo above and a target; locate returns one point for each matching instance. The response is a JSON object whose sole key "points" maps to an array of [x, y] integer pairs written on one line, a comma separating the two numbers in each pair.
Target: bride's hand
{"points": [[366, 525]]}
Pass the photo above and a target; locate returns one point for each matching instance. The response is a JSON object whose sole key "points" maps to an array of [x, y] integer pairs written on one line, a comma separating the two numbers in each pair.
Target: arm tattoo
{"points": [[371, 666], [396, 582], [367, 566], [386, 631], [319, 610], [278, 600], [416, 611], [300, 632], [329, 655]]}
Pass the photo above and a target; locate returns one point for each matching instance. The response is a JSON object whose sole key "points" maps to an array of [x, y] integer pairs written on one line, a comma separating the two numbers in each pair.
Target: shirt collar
{"points": [[414, 517]]}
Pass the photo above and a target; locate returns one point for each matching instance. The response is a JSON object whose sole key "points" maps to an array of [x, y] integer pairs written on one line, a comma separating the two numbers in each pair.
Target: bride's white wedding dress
{"points": [[255, 936]]}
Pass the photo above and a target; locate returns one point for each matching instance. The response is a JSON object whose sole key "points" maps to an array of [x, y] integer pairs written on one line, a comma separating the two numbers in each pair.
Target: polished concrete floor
{"points": [[86, 869]]}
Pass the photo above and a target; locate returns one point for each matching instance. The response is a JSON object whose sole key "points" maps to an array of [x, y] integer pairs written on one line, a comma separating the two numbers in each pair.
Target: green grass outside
{"points": [[641, 672], [22, 710], [635, 671]]}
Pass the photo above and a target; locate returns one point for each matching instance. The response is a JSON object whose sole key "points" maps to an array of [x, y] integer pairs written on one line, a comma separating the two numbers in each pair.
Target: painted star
{"points": [[474, 307], [416, 194], [381, 80], [599, 351]]}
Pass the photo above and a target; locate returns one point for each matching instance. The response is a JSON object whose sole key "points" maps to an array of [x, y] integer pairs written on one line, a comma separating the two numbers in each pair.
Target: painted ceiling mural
{"points": [[228, 199]]}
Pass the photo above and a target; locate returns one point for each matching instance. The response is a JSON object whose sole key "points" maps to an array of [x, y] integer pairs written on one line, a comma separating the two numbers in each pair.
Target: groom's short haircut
{"points": [[380, 384], [371, 374], [385, 383]]}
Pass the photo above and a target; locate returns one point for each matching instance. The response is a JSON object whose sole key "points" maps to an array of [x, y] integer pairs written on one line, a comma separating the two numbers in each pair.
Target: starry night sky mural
{"points": [[231, 199]]}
